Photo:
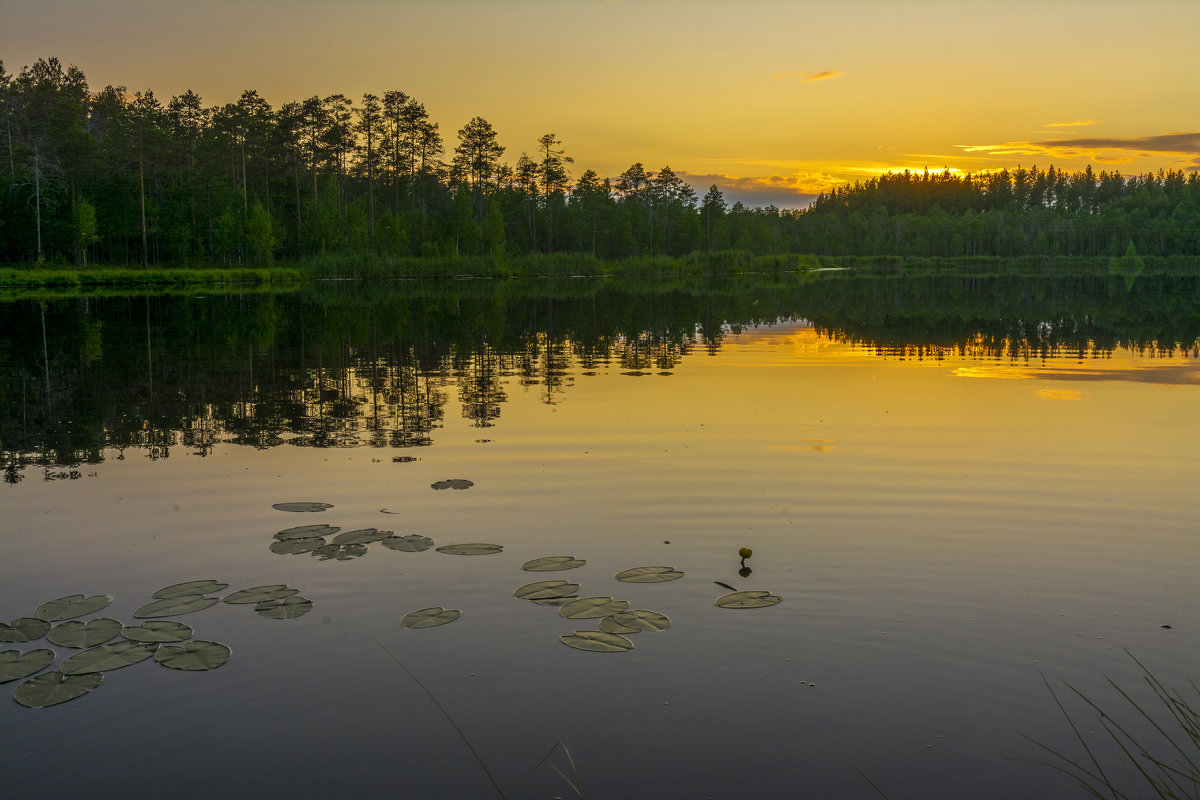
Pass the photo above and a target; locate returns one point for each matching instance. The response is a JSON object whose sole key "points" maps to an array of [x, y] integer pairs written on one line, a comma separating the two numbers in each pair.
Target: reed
{"points": [[1162, 760]]}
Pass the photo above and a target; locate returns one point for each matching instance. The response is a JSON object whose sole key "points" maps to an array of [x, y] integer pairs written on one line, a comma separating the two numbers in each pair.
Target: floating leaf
{"points": [[189, 587], [552, 564], [107, 657], [363, 536], [158, 631], [71, 606], [301, 506], [23, 629], [340, 552], [596, 641], [470, 549], [592, 608], [173, 606], [193, 656], [292, 547], [14, 664], [258, 594], [553, 601], [306, 532], [635, 622], [453, 483], [412, 543], [287, 608], [84, 634], [756, 599], [540, 590], [430, 617], [54, 688], [649, 575]]}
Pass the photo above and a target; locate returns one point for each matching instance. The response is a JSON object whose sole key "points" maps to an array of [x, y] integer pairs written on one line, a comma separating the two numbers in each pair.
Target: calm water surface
{"points": [[960, 488]]}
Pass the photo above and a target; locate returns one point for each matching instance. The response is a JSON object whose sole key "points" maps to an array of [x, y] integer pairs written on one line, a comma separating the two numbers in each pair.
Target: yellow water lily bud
{"points": [[745, 552]]}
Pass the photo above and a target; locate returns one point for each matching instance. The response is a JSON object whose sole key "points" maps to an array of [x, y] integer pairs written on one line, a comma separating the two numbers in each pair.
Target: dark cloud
{"points": [[1165, 143], [1104, 150], [775, 190]]}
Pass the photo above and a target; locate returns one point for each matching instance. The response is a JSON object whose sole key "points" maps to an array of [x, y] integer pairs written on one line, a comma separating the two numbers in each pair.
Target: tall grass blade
{"points": [[449, 719]]}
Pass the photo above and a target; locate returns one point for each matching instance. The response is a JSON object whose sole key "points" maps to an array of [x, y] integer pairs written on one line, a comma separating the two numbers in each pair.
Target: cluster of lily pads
{"points": [[168, 642], [617, 622], [330, 543]]}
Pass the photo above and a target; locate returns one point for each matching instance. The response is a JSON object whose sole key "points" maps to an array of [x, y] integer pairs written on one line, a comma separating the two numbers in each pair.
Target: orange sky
{"points": [[771, 99]]}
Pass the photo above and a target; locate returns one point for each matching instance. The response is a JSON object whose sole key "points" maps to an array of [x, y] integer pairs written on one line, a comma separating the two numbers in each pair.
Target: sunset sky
{"points": [[773, 100]]}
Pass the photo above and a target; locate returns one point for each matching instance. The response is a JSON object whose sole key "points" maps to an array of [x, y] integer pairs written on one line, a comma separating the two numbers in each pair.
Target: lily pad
{"points": [[649, 575], [362, 536], [552, 564], [755, 599], [193, 656], [23, 629], [557, 602], [173, 606], [430, 617], [189, 587], [340, 552], [306, 532], [14, 664], [259, 594], [592, 608], [635, 622], [71, 606], [596, 641], [108, 657], [54, 688], [287, 608], [158, 631], [293, 547], [412, 543], [84, 634], [470, 549], [301, 507], [541, 590], [453, 483]]}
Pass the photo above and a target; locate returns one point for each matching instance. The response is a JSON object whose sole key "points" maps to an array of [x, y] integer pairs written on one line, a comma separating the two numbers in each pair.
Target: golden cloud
{"points": [[1071, 124], [810, 77]]}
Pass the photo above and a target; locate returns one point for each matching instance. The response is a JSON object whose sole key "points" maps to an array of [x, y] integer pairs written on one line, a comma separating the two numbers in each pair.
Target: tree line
{"points": [[120, 177]]}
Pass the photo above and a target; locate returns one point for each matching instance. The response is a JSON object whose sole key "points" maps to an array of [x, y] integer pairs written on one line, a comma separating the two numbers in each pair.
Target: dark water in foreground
{"points": [[958, 487]]}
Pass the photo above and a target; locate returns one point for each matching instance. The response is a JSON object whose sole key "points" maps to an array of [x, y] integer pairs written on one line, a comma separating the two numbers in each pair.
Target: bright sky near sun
{"points": [[773, 100]]}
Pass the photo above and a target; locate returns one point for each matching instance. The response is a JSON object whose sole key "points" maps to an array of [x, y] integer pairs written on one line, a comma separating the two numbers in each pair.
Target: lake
{"points": [[962, 488]]}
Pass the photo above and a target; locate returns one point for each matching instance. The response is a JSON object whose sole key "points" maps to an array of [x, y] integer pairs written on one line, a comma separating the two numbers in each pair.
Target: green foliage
{"points": [[126, 179]]}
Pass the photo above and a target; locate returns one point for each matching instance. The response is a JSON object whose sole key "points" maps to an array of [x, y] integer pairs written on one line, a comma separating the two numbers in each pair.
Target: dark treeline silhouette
{"points": [[354, 365], [120, 177]]}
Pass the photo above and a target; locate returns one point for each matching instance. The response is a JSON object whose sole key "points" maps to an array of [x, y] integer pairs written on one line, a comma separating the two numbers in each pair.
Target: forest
{"points": [[120, 178]]}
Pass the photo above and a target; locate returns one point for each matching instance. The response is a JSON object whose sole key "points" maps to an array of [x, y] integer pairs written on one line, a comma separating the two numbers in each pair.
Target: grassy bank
{"points": [[718, 265], [80, 280]]}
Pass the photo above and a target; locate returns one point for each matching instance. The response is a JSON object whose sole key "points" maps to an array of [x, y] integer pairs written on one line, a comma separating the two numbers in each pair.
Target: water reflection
{"points": [[352, 366]]}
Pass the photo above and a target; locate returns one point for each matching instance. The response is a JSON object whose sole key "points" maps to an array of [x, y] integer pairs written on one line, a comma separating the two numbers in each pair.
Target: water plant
{"points": [[1161, 760], [82, 672], [648, 575], [750, 599]]}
